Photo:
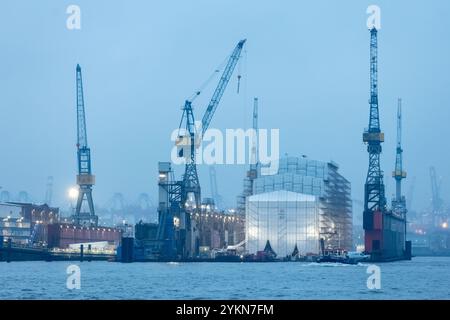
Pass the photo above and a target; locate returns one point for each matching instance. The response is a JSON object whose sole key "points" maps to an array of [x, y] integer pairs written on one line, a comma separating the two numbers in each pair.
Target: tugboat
{"points": [[233, 253], [227, 256], [340, 256]]}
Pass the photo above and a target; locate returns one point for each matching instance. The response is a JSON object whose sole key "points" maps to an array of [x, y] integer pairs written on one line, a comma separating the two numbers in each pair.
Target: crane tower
{"points": [[384, 230], [85, 178], [399, 201], [374, 197]]}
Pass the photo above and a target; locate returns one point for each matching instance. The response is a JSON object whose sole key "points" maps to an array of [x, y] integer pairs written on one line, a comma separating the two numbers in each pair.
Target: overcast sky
{"points": [[307, 61]]}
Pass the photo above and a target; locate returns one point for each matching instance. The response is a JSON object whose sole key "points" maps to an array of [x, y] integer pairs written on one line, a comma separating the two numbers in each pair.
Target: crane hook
{"points": [[239, 83]]}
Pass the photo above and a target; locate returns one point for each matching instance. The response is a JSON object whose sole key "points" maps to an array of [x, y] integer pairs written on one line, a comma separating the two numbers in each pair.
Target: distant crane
{"points": [[85, 178], [214, 189], [410, 195], [23, 197], [144, 201], [117, 202], [5, 196], [399, 202], [437, 204], [436, 200], [254, 161], [49, 191]]}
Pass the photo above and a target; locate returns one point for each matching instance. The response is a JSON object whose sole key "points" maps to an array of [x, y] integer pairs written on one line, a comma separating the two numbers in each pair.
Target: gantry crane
{"points": [[85, 178]]}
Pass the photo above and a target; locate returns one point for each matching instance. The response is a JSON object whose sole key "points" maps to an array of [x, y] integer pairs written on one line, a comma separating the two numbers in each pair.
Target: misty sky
{"points": [[308, 62]]}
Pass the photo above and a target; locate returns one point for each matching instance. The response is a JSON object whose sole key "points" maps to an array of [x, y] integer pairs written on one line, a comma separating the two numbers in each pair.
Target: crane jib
{"points": [[81, 118], [220, 89]]}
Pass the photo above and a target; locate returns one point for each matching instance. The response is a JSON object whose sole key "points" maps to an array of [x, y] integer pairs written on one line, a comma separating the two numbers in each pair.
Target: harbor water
{"points": [[421, 278]]}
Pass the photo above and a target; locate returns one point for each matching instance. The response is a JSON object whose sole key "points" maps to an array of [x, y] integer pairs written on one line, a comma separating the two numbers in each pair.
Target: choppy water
{"points": [[422, 278]]}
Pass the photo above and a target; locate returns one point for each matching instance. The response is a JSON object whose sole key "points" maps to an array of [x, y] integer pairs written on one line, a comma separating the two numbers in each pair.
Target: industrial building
{"points": [[26, 223], [15, 229], [64, 235], [216, 229], [304, 202]]}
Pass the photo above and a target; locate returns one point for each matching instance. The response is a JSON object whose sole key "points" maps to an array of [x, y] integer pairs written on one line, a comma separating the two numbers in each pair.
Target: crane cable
{"points": [[203, 86], [239, 76], [210, 78]]}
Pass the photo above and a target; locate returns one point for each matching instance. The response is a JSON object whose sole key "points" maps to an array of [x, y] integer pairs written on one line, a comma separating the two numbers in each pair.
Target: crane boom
{"points": [[84, 153], [81, 118], [220, 89]]}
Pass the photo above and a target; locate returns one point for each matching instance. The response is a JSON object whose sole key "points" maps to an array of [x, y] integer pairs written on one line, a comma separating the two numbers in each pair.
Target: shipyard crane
{"points": [[373, 137], [399, 202], [85, 178], [384, 230], [436, 199], [192, 139], [437, 204], [374, 196], [185, 195], [214, 189]]}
